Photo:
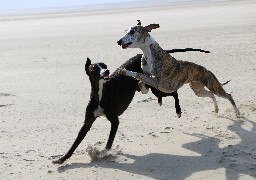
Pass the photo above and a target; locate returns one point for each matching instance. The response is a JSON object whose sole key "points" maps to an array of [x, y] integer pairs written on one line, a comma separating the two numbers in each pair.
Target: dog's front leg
{"points": [[114, 126], [144, 78], [82, 133], [143, 88]]}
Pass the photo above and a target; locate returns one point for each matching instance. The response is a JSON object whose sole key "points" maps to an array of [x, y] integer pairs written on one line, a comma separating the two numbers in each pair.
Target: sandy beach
{"points": [[44, 92]]}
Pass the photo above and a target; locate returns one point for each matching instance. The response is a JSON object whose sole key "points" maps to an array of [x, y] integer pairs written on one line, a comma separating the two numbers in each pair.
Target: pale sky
{"points": [[7, 5]]}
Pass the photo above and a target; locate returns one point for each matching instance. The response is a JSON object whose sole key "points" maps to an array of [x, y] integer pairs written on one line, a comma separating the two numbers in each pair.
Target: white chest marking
{"points": [[99, 110], [101, 82], [147, 66], [147, 55]]}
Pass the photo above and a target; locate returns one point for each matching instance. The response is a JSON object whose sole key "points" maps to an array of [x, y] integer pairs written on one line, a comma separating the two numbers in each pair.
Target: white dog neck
{"points": [[148, 54], [145, 47]]}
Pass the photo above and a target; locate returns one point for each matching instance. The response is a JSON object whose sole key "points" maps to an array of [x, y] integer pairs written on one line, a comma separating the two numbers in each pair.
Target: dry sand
{"points": [[44, 91]]}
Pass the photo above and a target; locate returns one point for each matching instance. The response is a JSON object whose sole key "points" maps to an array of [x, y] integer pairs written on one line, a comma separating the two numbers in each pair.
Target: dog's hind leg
{"points": [[177, 103], [200, 91], [229, 97], [82, 133], [217, 89], [114, 126]]}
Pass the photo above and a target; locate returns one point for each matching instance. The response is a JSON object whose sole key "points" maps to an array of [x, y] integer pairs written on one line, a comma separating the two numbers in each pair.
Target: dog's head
{"points": [[136, 36], [97, 71]]}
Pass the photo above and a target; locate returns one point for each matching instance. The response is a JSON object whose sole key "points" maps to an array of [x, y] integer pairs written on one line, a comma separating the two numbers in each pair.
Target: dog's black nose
{"points": [[107, 72], [119, 42]]}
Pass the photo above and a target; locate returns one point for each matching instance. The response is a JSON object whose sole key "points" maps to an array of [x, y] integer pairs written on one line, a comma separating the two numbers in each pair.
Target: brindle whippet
{"points": [[167, 74]]}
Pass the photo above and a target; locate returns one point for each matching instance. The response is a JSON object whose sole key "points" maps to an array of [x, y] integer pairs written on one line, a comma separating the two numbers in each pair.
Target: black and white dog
{"points": [[110, 97]]}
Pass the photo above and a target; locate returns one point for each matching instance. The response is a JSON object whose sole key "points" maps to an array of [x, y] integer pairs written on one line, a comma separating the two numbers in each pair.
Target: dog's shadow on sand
{"points": [[237, 160]]}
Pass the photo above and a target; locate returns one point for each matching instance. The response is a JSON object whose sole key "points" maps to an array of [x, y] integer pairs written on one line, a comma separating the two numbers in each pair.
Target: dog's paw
{"points": [[143, 87], [127, 72], [59, 161], [239, 116], [215, 110]]}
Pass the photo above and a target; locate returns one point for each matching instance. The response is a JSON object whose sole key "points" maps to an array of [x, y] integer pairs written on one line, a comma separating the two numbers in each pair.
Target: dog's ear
{"points": [[88, 63], [139, 23], [148, 28]]}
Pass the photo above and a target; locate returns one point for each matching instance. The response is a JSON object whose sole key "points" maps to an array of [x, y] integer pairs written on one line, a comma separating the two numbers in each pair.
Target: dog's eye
{"points": [[132, 31]]}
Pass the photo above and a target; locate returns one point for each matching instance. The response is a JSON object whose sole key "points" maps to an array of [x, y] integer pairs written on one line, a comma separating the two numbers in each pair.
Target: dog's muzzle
{"points": [[124, 46], [104, 74]]}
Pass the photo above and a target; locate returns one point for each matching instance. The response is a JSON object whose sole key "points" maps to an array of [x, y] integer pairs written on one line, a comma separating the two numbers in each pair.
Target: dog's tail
{"points": [[225, 82], [185, 50]]}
